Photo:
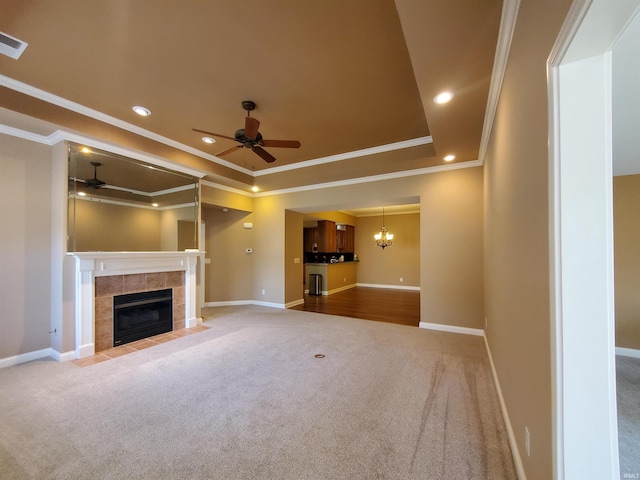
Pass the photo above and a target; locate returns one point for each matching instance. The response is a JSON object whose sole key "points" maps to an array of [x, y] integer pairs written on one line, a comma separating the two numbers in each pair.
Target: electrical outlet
{"points": [[296, 260], [263, 291], [486, 322], [401, 279], [527, 441], [345, 279]]}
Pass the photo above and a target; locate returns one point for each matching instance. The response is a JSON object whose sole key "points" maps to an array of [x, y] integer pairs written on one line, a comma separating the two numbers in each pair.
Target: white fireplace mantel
{"points": [[89, 265]]}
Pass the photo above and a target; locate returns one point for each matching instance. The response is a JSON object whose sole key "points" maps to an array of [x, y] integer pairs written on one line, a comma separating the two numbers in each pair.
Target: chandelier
{"points": [[383, 237]]}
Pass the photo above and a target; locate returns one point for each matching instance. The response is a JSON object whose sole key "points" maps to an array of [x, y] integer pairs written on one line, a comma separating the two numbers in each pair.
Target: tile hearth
{"points": [[132, 347]]}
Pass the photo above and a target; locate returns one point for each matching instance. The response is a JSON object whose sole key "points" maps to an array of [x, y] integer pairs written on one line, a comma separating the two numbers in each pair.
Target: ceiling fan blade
{"points": [[281, 143], [229, 150], [262, 153], [213, 134], [251, 126]]}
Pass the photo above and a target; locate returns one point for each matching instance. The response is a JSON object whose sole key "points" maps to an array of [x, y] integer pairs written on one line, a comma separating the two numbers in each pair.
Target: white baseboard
{"points": [[63, 357], [26, 357], [517, 459], [339, 289], [452, 329], [229, 303], [396, 287], [192, 322], [268, 304], [295, 303], [244, 302], [628, 352]]}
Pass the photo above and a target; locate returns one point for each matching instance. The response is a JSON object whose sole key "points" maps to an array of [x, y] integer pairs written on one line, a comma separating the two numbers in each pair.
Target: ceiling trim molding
{"points": [[226, 188], [373, 178], [116, 122], [414, 142], [63, 136], [124, 203], [507, 26], [23, 134]]}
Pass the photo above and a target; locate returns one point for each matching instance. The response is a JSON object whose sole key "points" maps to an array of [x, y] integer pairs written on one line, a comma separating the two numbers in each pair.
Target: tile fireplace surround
{"points": [[101, 275]]}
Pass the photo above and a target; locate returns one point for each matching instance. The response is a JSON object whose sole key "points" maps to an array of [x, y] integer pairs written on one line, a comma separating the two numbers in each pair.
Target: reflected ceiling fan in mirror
{"points": [[250, 137], [95, 182]]}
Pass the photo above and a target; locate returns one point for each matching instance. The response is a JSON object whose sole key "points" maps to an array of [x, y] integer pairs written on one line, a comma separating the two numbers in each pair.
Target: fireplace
{"points": [[141, 315], [99, 276]]}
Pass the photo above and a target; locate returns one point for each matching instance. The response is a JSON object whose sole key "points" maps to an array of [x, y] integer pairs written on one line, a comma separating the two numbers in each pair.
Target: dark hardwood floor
{"points": [[379, 304]]}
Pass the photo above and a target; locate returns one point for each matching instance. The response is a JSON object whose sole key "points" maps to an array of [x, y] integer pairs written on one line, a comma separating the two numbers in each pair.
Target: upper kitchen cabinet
{"points": [[311, 240], [326, 236], [345, 238]]}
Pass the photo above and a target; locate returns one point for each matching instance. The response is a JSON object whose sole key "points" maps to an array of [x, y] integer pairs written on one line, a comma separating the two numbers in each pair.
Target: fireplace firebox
{"points": [[141, 315]]}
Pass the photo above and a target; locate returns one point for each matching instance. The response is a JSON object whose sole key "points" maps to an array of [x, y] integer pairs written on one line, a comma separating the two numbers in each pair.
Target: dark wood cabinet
{"points": [[350, 239], [329, 239], [345, 239], [326, 236], [340, 241], [311, 239]]}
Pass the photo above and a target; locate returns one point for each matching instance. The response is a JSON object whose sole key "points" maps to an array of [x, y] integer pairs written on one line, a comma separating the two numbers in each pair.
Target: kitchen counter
{"points": [[327, 263], [335, 276]]}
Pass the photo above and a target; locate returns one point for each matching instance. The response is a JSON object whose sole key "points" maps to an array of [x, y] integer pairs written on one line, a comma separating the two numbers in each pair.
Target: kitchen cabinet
{"points": [[310, 239], [329, 239], [345, 239], [326, 236], [350, 239]]}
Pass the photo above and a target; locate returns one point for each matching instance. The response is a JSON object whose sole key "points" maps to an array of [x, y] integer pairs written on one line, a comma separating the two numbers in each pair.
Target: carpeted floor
{"points": [[628, 389], [248, 399]]}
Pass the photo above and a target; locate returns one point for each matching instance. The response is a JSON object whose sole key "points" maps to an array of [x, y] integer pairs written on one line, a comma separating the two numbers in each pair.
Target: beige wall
{"points": [[108, 227], [450, 238], [517, 235], [626, 224], [111, 227], [25, 248], [401, 260], [169, 233], [338, 217], [293, 249], [229, 276], [451, 242]]}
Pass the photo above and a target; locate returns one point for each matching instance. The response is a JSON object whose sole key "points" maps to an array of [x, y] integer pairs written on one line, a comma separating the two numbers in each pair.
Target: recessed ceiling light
{"points": [[208, 140], [448, 158], [443, 97], [142, 111], [254, 189], [85, 150], [154, 204], [82, 194]]}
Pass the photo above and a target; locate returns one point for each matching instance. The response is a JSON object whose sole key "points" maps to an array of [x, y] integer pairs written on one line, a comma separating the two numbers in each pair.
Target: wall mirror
{"points": [[118, 204]]}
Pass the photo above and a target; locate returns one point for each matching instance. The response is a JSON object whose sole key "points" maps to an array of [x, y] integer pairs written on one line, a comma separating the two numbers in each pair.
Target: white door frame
{"points": [[585, 431]]}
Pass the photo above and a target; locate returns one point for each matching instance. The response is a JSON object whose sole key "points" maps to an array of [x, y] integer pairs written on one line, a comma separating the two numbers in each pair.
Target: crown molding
{"points": [[102, 117], [116, 122], [347, 155], [226, 188], [507, 26], [373, 178]]}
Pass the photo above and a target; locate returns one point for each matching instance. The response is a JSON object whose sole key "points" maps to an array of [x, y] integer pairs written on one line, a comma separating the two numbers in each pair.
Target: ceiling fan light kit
{"points": [[250, 137]]}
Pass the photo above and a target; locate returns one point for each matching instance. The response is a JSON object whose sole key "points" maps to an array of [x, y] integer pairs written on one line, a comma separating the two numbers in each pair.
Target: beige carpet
{"points": [[628, 390], [248, 399]]}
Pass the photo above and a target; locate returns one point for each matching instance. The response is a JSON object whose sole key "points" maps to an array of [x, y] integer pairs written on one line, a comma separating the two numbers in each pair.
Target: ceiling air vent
{"points": [[10, 46]]}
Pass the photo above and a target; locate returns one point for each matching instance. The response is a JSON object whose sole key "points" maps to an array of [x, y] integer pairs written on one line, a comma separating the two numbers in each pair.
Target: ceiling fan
{"points": [[95, 182], [250, 137]]}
